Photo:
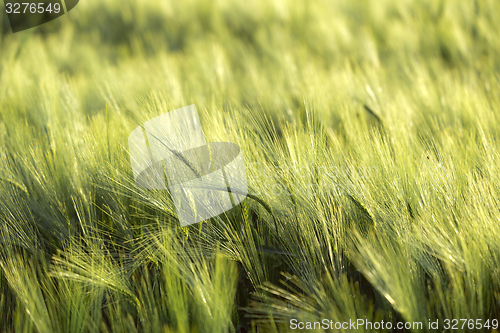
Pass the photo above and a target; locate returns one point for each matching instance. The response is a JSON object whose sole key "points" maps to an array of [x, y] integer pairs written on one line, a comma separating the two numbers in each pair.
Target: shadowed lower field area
{"points": [[369, 132]]}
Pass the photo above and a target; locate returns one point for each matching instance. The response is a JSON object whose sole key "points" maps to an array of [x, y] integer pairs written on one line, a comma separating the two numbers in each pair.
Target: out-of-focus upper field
{"points": [[369, 131]]}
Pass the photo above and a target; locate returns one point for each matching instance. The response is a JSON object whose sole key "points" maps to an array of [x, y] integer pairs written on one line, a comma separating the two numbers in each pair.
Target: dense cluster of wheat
{"points": [[369, 131]]}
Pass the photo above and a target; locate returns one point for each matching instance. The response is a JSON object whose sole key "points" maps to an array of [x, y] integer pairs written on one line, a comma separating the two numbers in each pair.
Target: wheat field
{"points": [[369, 131]]}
